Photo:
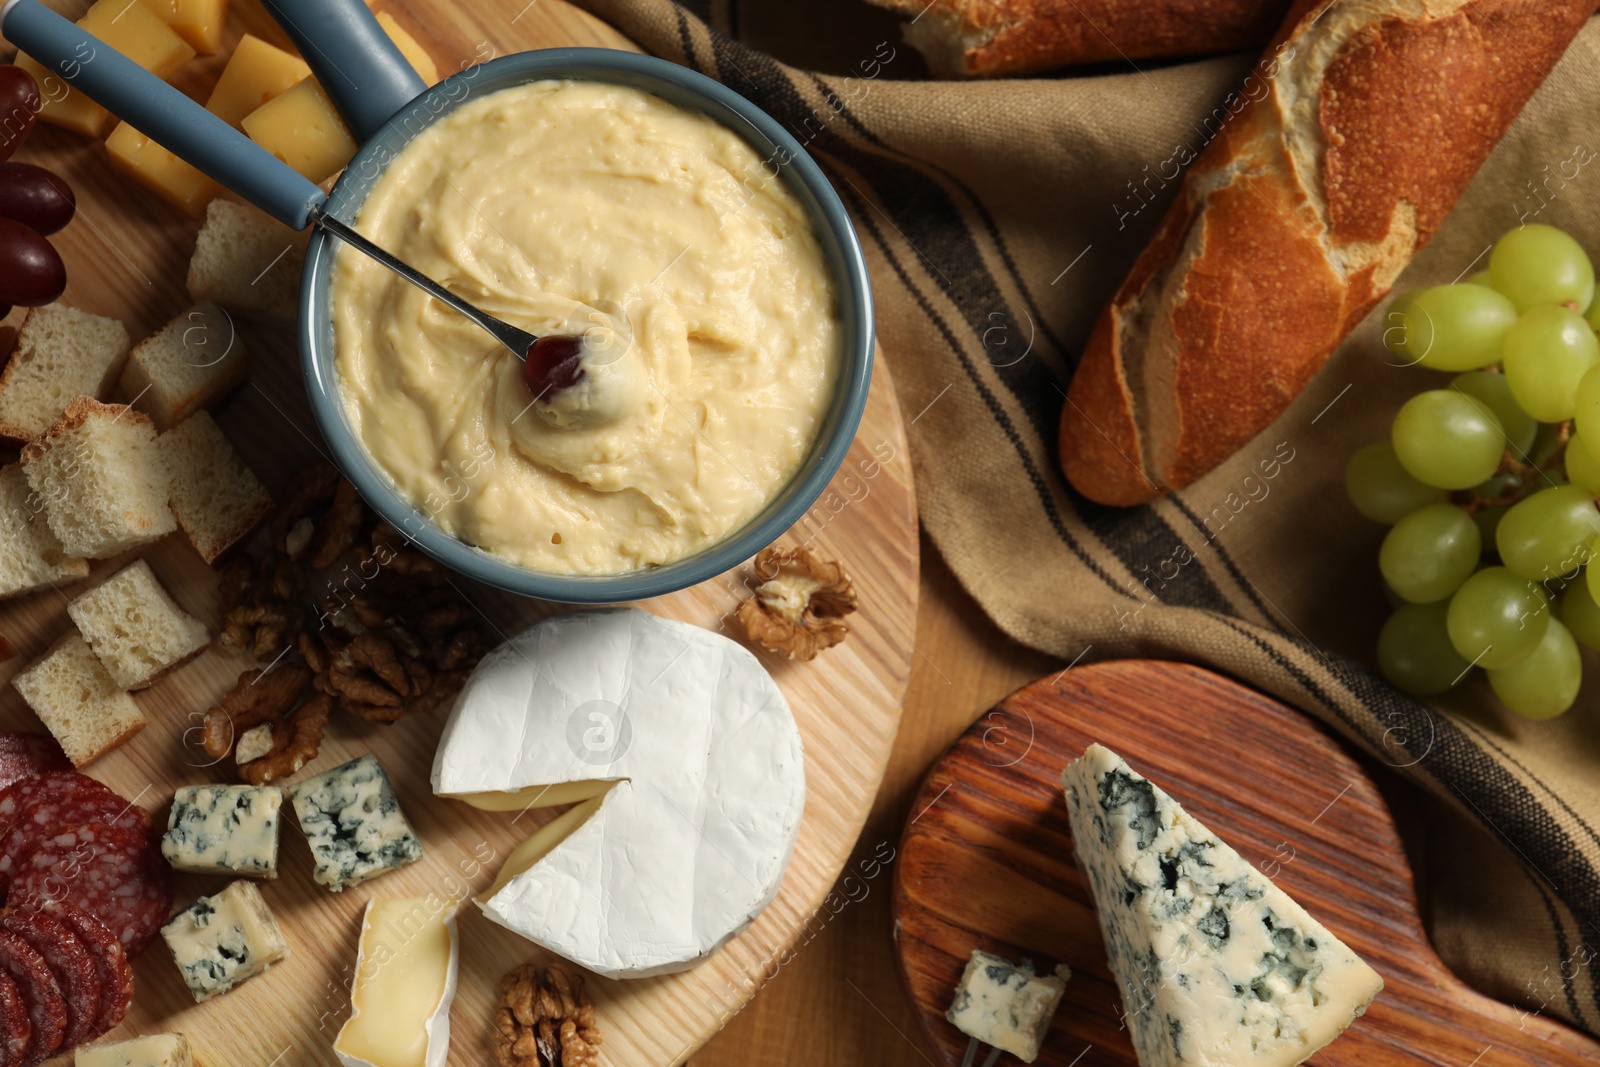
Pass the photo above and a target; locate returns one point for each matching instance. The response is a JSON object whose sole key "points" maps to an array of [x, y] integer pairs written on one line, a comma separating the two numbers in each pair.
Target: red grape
{"points": [[19, 106], [31, 273], [35, 197]]}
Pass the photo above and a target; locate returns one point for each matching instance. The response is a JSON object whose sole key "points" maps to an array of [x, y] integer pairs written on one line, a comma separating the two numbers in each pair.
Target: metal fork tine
{"points": [[994, 1054], [972, 1053]]}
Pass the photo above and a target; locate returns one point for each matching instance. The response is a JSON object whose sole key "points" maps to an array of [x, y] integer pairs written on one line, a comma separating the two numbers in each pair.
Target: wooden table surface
{"points": [[838, 1003]]}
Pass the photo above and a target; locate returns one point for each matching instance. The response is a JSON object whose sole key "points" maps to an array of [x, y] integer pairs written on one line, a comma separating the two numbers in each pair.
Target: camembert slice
{"points": [[688, 766], [404, 981], [1217, 966]]}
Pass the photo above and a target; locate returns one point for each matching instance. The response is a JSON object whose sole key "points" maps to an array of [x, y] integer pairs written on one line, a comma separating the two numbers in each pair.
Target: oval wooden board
{"points": [[986, 862], [127, 254]]}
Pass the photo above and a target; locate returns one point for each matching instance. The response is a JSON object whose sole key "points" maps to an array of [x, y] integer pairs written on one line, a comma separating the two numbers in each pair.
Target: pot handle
{"points": [[157, 110], [356, 63]]}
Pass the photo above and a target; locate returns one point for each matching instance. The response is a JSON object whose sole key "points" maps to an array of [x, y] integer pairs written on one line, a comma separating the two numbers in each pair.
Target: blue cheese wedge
{"points": [[1006, 1005], [353, 822], [152, 1050], [1217, 966], [219, 941], [224, 829], [404, 982]]}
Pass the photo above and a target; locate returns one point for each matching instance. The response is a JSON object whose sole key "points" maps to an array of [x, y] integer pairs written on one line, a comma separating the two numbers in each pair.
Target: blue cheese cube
{"points": [[224, 829], [1006, 1005], [151, 1050], [219, 941], [354, 824]]}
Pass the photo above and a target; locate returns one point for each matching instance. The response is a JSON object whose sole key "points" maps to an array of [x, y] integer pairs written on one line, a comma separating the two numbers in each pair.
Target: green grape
{"points": [[1493, 389], [1381, 489], [1538, 264], [1586, 410], [1448, 440], [1488, 519], [1581, 467], [1415, 653], [1394, 327], [1544, 683], [1581, 614], [1499, 485], [1549, 534], [1546, 443], [1546, 355], [1496, 618], [1429, 553], [1452, 327], [1480, 278]]}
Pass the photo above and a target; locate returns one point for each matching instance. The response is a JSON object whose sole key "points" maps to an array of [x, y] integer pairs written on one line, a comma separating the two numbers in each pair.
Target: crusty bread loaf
{"points": [[61, 353], [247, 261], [190, 363], [135, 626], [217, 499], [101, 478], [1293, 223], [987, 38], [30, 555], [74, 696]]}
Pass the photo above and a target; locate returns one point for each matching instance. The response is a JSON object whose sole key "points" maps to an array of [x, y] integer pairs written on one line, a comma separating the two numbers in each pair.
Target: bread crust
{"points": [[988, 38], [1296, 220]]}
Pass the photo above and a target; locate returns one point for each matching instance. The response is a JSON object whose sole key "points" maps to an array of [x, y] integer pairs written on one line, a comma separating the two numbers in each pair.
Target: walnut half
{"points": [[799, 604], [545, 1023]]}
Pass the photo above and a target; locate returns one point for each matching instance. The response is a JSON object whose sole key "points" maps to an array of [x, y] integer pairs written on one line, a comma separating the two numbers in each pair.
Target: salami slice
{"points": [[115, 875], [113, 973], [24, 755], [47, 1009], [32, 810], [15, 1029], [69, 961]]}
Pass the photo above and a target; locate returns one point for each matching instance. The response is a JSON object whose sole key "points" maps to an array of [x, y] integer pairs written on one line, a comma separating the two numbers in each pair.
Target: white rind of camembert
{"points": [[691, 841], [404, 983], [1217, 966]]}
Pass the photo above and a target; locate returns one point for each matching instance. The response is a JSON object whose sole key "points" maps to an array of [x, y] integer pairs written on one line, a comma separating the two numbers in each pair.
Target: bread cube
{"points": [[102, 479], [75, 697], [30, 555], [135, 626], [216, 498], [136, 156], [190, 363], [248, 262], [256, 72], [61, 353], [301, 127]]}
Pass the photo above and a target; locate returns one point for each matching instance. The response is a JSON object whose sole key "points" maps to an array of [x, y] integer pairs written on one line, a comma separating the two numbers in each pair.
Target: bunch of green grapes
{"points": [[1489, 482]]}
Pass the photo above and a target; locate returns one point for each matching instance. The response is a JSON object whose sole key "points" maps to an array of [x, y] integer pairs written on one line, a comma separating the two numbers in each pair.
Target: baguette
{"points": [[1293, 223], [989, 38]]}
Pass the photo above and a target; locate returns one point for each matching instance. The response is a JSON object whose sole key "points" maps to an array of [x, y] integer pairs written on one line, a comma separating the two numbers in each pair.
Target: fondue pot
{"points": [[386, 105]]}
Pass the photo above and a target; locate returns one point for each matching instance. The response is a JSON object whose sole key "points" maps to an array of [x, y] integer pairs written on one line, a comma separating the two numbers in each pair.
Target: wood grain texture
{"points": [[126, 255], [986, 862]]}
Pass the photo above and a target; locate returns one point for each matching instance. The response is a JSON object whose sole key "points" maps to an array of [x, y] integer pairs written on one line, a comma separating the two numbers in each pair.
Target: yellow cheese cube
{"points": [[301, 127], [415, 54], [131, 30], [134, 31], [62, 105], [256, 72], [197, 21], [169, 177]]}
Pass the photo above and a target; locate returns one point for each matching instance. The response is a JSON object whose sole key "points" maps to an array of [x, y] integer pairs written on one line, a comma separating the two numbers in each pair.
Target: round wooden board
{"points": [[986, 862], [127, 255]]}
